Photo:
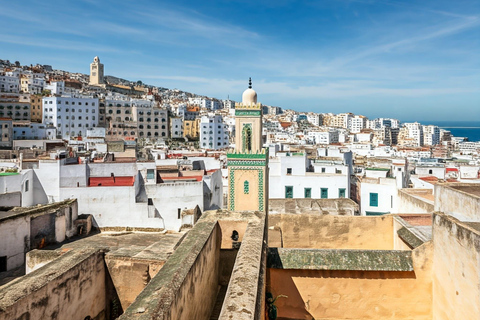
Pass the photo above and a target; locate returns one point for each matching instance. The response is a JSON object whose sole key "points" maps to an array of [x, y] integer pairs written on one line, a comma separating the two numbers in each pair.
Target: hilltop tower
{"points": [[96, 72], [248, 163]]}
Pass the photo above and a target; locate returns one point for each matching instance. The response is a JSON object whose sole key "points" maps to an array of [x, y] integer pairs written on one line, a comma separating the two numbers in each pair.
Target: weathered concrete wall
{"points": [[15, 241], [130, 276], [456, 273], [347, 294], [341, 206], [460, 200], [413, 202], [186, 287], [331, 232], [71, 287]]}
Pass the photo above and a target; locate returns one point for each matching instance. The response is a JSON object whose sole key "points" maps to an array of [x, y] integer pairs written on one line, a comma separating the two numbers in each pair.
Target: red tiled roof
{"points": [[452, 170], [111, 182], [429, 179]]}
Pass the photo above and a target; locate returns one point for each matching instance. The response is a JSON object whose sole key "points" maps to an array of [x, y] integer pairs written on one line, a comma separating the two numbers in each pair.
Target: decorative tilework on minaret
{"points": [[248, 163]]}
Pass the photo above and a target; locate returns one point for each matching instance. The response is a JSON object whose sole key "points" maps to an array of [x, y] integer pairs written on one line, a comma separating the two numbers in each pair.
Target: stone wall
{"points": [[72, 287], [330, 232], [456, 284], [186, 287]]}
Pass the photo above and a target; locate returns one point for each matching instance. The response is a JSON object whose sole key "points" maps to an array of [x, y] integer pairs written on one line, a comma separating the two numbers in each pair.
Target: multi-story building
{"points": [[120, 118], [6, 133], [213, 133], [431, 135], [9, 82], [32, 82], [36, 108], [324, 137], [415, 132], [152, 121], [314, 118], [15, 110], [176, 127], [71, 116], [356, 123], [191, 129], [56, 87]]}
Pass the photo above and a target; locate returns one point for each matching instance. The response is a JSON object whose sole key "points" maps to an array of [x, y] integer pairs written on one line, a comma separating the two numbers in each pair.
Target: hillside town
{"points": [[146, 197]]}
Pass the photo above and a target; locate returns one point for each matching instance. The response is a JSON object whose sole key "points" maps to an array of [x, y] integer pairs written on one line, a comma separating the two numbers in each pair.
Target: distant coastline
{"points": [[468, 129]]}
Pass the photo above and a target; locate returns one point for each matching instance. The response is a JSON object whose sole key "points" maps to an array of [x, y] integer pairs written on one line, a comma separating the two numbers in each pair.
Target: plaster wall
{"points": [[456, 275], [412, 203], [333, 182], [68, 291], [13, 199], [330, 232], [387, 196], [169, 197], [119, 169], [74, 175], [48, 174], [112, 207], [130, 276], [438, 172], [246, 200], [346, 294], [15, 240], [458, 202]]}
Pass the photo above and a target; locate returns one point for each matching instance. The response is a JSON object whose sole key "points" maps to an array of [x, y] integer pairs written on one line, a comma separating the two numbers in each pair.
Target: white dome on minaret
{"points": [[249, 96], [96, 59]]}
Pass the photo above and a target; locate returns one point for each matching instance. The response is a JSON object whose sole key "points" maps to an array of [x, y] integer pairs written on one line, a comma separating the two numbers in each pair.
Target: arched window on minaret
{"points": [[247, 138], [246, 187]]}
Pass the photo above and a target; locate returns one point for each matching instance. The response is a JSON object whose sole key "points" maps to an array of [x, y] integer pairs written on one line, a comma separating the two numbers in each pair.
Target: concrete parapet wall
{"points": [[72, 287], [461, 200], [414, 201], [341, 206], [330, 232], [456, 278]]}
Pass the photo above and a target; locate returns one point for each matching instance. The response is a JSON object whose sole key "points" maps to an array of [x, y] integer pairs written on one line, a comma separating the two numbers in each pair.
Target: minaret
{"points": [[248, 163], [96, 72]]}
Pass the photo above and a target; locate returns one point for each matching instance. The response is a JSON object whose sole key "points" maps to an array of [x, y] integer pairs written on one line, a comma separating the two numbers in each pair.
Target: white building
{"points": [[70, 115], [33, 131], [293, 175], [415, 132], [314, 118], [431, 135], [176, 128], [56, 87], [10, 82], [356, 123], [213, 133], [6, 133], [324, 137], [32, 83]]}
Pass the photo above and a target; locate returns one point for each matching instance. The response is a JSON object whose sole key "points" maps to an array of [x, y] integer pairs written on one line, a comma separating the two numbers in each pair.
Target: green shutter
{"points": [[324, 193], [373, 199], [341, 193], [308, 192], [289, 192]]}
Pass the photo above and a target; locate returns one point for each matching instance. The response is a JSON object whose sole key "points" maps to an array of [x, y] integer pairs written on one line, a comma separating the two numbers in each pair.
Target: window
{"points": [[246, 187], [324, 193], [3, 264], [373, 199], [308, 192], [289, 170], [150, 174], [430, 171], [323, 170], [288, 192], [341, 193], [26, 186]]}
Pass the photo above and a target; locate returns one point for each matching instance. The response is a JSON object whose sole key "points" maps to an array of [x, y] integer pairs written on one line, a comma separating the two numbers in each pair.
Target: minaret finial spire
{"points": [[250, 83]]}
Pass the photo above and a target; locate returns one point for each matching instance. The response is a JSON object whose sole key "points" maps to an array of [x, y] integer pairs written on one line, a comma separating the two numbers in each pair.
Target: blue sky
{"points": [[405, 59]]}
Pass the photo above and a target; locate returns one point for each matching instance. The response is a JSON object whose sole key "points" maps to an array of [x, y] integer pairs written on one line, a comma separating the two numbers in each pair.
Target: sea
{"points": [[467, 129]]}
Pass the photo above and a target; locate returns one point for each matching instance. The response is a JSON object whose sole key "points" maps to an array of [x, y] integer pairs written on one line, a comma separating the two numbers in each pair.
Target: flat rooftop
{"points": [[473, 189], [139, 245]]}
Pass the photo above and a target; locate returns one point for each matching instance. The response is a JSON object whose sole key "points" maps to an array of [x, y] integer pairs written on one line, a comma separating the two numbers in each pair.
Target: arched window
{"points": [[247, 138], [246, 187]]}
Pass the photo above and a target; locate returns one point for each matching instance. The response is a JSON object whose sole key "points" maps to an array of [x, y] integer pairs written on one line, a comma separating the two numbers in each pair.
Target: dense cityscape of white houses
{"points": [[156, 156]]}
